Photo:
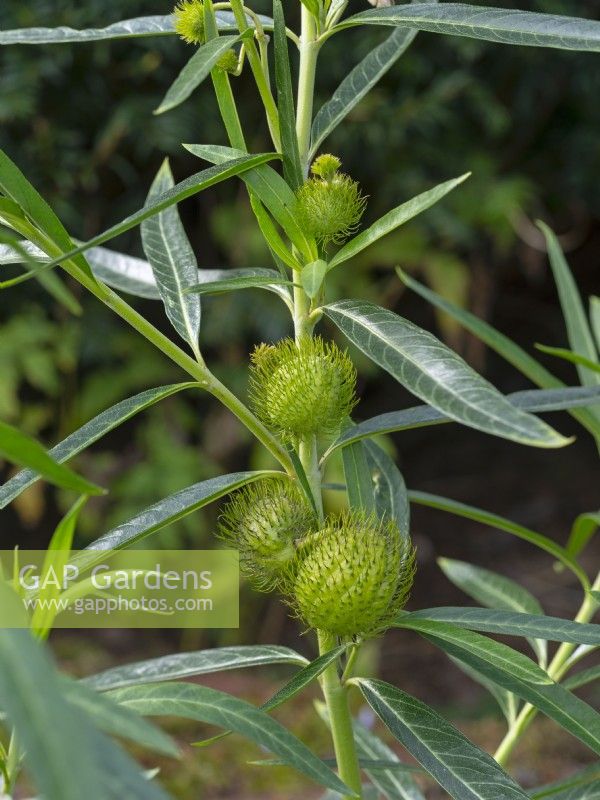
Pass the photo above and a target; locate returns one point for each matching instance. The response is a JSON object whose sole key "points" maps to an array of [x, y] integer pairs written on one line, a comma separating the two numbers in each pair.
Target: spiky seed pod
{"points": [[354, 575], [302, 388], [228, 62], [330, 204], [263, 521], [189, 21]]}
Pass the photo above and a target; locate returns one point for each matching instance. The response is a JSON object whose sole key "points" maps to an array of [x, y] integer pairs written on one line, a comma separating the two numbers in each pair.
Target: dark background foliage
{"points": [[78, 120]]}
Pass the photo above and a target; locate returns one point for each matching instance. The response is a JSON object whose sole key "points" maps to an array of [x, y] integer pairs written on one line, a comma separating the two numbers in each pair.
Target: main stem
{"points": [[334, 690], [559, 666]]}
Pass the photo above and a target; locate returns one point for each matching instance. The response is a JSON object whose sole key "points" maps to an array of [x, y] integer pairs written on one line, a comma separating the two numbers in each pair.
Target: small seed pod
{"points": [[228, 62], [302, 389], [330, 204], [353, 576], [263, 521], [189, 21]]}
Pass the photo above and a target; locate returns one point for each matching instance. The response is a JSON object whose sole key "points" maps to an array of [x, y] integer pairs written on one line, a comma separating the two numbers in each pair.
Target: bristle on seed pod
{"points": [[302, 388], [330, 204], [353, 576], [189, 21], [263, 521]]}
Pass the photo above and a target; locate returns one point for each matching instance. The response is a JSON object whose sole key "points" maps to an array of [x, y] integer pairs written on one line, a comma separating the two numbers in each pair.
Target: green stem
{"points": [[336, 698], [256, 66], [559, 666], [309, 51]]}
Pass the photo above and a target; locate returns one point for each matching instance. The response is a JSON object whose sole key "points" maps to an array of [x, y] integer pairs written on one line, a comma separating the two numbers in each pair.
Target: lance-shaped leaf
{"points": [[393, 219], [272, 191], [578, 328], [165, 512], [498, 655], [230, 280], [502, 345], [16, 187], [359, 483], [501, 524], [182, 190], [459, 766], [536, 400], [138, 27], [595, 318], [509, 623], [583, 785], [292, 169], [575, 716], [357, 84], [494, 591], [195, 71], [173, 262], [89, 433], [490, 24], [189, 665], [389, 488], [584, 527], [437, 375], [24, 451], [582, 678], [218, 708]]}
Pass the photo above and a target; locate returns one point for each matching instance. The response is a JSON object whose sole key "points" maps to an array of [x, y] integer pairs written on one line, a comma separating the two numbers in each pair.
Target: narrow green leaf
{"points": [[186, 188], [392, 783], [578, 329], [393, 219], [494, 591], [583, 785], [509, 623], [63, 752], [459, 766], [312, 277], [292, 169], [57, 557], [436, 374], [190, 665], [172, 259], [16, 187], [24, 451], [271, 234], [202, 703], [536, 400], [582, 678], [595, 318], [251, 279], [508, 703], [575, 716], [502, 345], [271, 190], [357, 84], [499, 655], [89, 433], [389, 488], [502, 524], [116, 720], [165, 512], [359, 483], [569, 355], [500, 25], [195, 71], [584, 527], [157, 25]]}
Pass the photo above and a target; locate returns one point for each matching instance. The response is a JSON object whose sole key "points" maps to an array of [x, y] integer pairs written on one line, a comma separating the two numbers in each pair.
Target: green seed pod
{"points": [[354, 575], [189, 21], [263, 521], [330, 205], [302, 389], [228, 62]]}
